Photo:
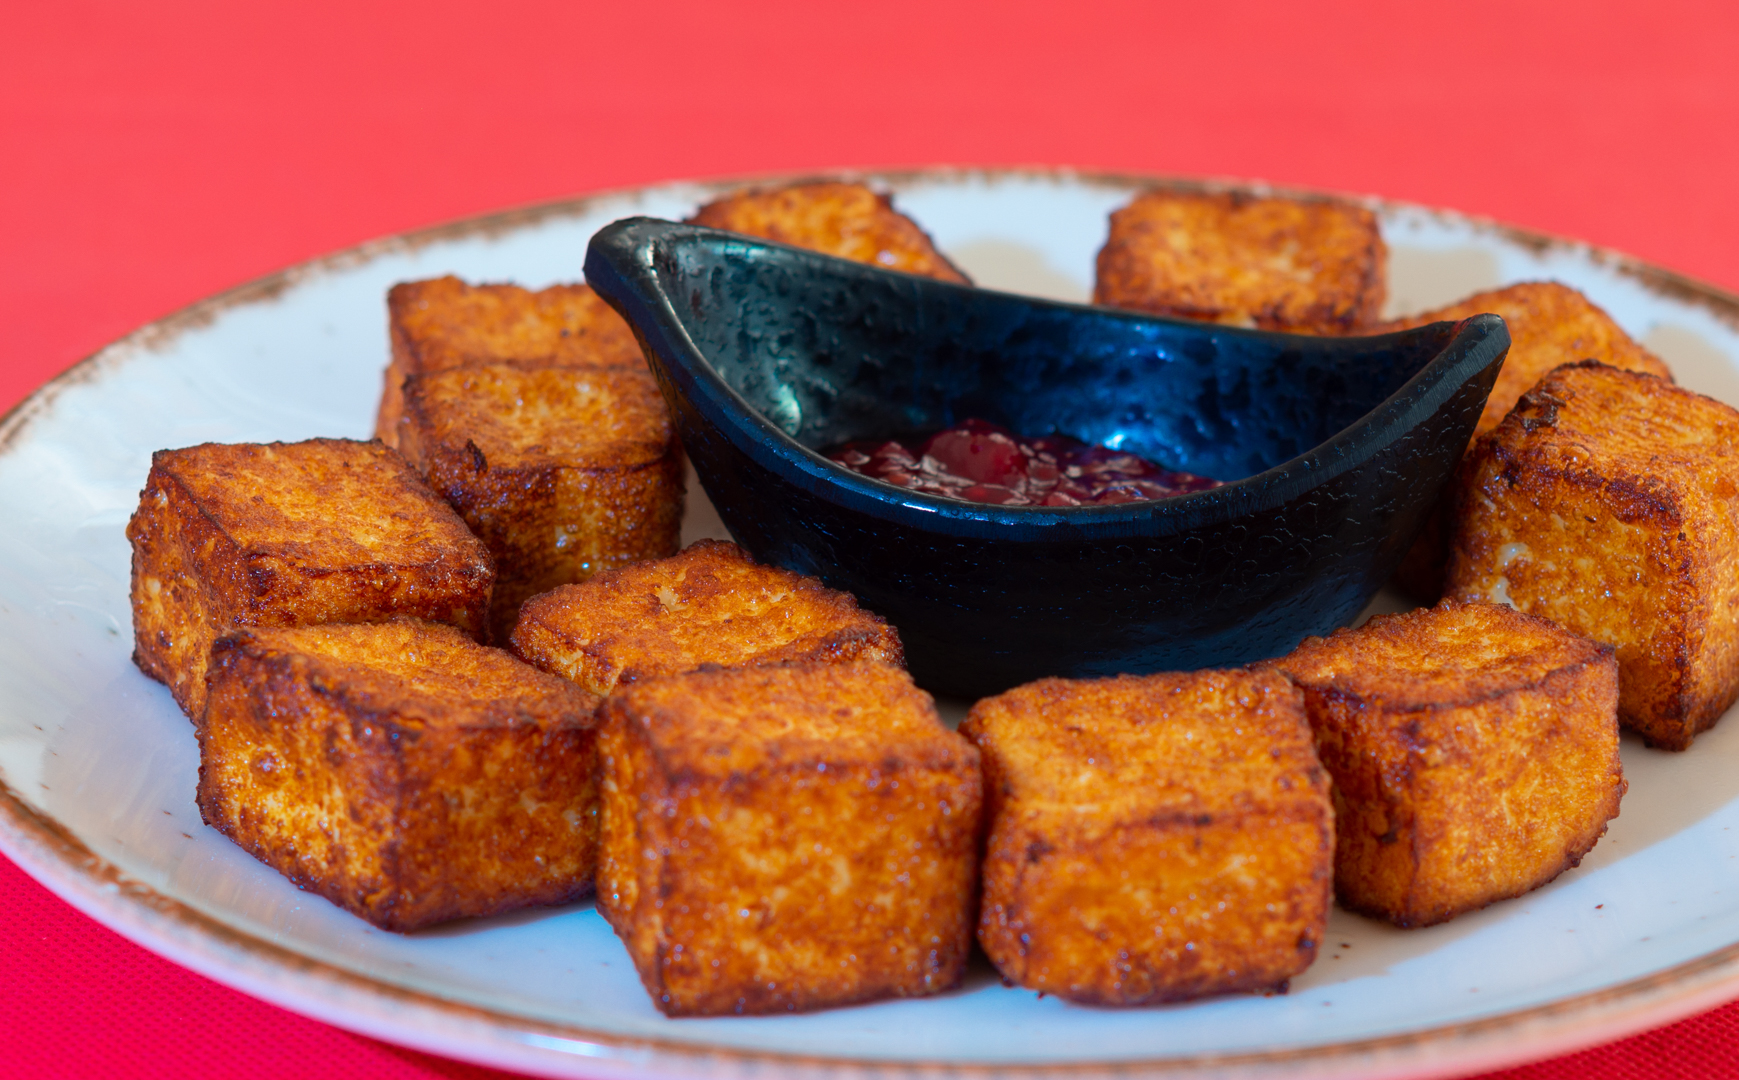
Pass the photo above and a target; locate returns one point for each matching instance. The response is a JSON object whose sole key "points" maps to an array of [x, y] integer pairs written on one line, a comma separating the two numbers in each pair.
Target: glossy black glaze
{"points": [[1338, 445]]}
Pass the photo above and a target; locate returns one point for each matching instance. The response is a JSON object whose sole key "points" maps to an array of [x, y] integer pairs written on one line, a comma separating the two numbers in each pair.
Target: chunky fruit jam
{"points": [[977, 461]]}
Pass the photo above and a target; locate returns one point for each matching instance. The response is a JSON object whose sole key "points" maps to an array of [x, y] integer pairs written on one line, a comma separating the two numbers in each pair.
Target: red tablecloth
{"points": [[151, 154]]}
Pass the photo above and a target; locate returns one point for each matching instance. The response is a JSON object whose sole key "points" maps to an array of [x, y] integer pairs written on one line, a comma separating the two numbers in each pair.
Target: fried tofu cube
{"points": [[290, 534], [561, 471], [1550, 325], [401, 770], [712, 604], [446, 323], [1608, 502], [1304, 266], [778, 839], [849, 221], [1152, 838], [1474, 754]]}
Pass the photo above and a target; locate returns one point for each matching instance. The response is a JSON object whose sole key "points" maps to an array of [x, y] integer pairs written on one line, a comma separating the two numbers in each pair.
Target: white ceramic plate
{"points": [[98, 765]]}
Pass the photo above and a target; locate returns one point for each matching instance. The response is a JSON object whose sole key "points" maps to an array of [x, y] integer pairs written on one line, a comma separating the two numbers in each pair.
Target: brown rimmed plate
{"points": [[98, 766]]}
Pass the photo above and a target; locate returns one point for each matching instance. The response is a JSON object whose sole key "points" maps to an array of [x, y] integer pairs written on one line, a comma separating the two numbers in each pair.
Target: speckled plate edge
{"points": [[56, 857]]}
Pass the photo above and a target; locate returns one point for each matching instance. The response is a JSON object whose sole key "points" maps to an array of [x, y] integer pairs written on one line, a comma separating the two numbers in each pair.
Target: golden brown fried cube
{"points": [[846, 220], [1608, 502], [1309, 267], [1550, 325], [778, 839], [1474, 753], [401, 770], [445, 323], [712, 604], [562, 471], [1152, 838], [289, 534]]}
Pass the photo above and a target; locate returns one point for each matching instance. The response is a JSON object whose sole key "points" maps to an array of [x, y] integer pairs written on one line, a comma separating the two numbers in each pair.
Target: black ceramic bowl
{"points": [[1337, 446]]}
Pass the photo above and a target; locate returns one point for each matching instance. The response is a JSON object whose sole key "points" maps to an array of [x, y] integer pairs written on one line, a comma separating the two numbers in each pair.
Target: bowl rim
{"points": [[624, 263]]}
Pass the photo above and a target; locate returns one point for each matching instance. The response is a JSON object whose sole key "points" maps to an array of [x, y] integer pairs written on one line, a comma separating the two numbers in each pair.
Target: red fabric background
{"points": [[153, 154]]}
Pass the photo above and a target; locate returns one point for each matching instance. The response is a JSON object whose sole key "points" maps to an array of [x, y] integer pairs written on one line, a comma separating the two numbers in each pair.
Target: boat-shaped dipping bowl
{"points": [[1335, 449]]}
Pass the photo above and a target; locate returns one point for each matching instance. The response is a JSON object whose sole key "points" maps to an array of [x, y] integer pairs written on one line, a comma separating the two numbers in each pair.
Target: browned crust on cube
{"points": [[1152, 838], [1474, 752], [849, 221], [779, 839], [401, 770], [287, 534], [1550, 325], [1305, 266], [712, 604], [445, 323], [1608, 501], [561, 471]]}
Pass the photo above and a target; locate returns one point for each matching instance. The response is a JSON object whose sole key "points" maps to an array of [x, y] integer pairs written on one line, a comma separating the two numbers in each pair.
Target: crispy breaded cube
{"points": [[846, 220], [778, 839], [712, 604], [1608, 502], [1152, 838], [290, 534], [445, 323], [1474, 753], [1309, 267], [561, 471], [401, 770], [1550, 325]]}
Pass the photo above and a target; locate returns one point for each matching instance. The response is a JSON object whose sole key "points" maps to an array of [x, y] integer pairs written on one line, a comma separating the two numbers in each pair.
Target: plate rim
{"points": [[53, 855]]}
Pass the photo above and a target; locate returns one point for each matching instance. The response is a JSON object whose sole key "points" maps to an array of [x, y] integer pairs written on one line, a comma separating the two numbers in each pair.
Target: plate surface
{"points": [[98, 767]]}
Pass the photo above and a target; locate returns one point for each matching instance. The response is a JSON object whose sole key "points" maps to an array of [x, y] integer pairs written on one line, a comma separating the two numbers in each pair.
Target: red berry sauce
{"points": [[977, 461]]}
